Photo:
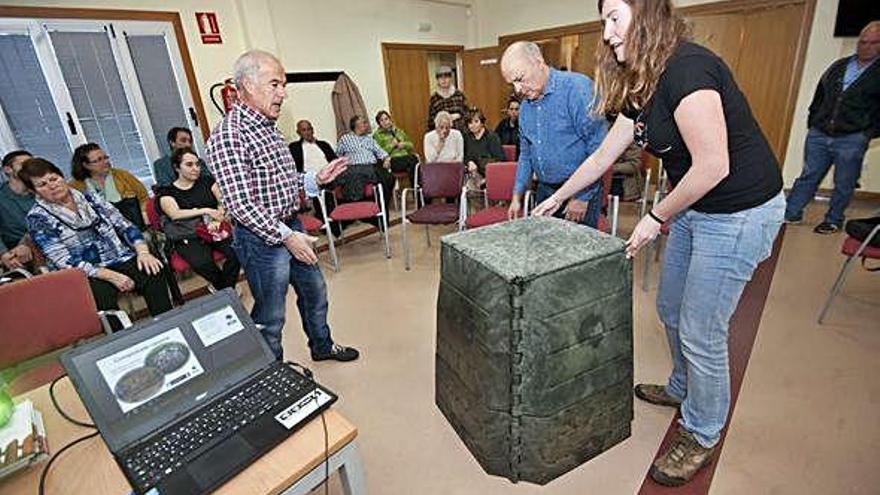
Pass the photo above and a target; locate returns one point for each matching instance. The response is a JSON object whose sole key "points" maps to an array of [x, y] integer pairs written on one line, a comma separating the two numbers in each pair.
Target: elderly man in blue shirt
{"points": [[557, 131]]}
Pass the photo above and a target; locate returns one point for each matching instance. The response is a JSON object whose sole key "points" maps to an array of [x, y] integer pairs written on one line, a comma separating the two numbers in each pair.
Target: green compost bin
{"points": [[534, 366]]}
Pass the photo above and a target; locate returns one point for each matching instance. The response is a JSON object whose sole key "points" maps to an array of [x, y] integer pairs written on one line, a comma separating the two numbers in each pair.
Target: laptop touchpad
{"points": [[219, 462]]}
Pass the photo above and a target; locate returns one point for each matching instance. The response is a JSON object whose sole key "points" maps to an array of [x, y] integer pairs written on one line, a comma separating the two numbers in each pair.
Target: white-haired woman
{"points": [[444, 144]]}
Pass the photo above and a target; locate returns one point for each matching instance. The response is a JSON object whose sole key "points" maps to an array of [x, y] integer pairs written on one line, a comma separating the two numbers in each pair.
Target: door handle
{"points": [[71, 124]]}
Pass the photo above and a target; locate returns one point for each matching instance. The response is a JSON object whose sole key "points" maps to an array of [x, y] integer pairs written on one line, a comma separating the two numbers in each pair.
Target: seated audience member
{"points": [[629, 167], [309, 153], [93, 172], [481, 146], [369, 162], [190, 200], [15, 201], [178, 137], [508, 128], [84, 231], [393, 140], [443, 144]]}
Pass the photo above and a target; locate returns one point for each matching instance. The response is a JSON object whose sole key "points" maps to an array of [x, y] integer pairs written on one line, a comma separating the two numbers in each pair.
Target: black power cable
{"points": [[55, 456], [61, 411]]}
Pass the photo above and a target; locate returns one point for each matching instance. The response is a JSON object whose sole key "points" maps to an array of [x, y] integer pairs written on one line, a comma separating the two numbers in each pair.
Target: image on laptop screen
{"points": [[142, 378]]}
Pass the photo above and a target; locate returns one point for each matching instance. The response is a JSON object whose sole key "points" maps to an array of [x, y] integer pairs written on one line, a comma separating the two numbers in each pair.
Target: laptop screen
{"points": [[139, 380]]}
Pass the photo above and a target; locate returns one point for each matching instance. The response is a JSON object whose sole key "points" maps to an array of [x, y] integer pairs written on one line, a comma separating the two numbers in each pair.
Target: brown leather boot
{"points": [[684, 458], [655, 394]]}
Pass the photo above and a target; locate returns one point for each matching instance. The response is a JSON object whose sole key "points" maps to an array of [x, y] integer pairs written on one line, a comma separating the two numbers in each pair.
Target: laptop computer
{"points": [[188, 399]]}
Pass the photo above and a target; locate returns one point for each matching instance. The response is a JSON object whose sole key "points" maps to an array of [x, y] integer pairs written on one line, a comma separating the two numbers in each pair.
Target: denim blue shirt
{"points": [[853, 71], [557, 132]]}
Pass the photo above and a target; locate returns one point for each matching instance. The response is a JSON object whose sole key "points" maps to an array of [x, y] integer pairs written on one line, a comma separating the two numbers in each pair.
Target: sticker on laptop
{"points": [[216, 326], [301, 409], [147, 370]]}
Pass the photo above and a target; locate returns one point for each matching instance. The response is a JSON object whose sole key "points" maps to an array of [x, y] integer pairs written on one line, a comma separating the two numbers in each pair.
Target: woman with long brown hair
{"points": [[679, 101]]}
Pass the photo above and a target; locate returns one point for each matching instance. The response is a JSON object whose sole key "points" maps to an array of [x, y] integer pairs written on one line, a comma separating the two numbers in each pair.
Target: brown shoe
{"points": [[655, 394], [682, 461]]}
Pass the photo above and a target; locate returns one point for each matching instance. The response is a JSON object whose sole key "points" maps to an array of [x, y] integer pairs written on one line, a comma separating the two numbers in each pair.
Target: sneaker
{"points": [[655, 394], [337, 353], [794, 221], [827, 228], [684, 458]]}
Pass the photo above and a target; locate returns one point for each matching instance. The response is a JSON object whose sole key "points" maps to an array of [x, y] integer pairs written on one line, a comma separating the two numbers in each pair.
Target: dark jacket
{"points": [[857, 109], [296, 149]]}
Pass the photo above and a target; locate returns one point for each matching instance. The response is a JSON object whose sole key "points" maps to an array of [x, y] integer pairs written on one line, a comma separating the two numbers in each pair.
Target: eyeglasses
{"points": [[102, 158]]}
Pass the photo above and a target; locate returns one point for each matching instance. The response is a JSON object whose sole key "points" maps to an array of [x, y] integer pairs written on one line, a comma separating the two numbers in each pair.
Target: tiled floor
{"points": [[806, 421]]}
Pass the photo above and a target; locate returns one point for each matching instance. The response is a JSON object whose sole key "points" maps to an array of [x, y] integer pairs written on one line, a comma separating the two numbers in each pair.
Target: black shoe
{"points": [[827, 228], [337, 353]]}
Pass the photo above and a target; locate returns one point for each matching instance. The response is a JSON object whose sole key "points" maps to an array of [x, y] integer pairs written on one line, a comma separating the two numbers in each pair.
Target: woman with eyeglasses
{"points": [[680, 102], [92, 171], [83, 231]]}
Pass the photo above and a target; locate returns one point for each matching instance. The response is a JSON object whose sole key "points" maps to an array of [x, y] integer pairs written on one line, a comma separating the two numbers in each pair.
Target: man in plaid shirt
{"points": [[261, 189], [447, 98]]}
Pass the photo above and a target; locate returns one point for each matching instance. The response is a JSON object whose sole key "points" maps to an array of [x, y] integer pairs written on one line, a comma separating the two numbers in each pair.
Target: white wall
{"points": [[347, 35], [496, 18]]}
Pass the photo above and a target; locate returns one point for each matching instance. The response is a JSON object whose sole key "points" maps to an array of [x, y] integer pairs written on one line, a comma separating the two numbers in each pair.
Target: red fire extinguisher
{"points": [[228, 94]]}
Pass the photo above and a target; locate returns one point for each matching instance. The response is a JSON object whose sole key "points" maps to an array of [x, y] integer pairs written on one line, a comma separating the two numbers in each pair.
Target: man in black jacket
{"points": [[313, 154], [844, 117], [310, 153]]}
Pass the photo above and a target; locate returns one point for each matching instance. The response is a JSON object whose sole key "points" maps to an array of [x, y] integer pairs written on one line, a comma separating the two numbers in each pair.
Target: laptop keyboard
{"points": [[164, 454]]}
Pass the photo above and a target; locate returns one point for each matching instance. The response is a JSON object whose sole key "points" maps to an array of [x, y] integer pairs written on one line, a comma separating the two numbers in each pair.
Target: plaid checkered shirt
{"points": [[255, 171], [456, 103]]}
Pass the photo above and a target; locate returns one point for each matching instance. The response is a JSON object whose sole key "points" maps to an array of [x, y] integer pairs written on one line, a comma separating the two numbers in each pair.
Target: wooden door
{"points": [[483, 83], [766, 68], [406, 79], [721, 33], [584, 60]]}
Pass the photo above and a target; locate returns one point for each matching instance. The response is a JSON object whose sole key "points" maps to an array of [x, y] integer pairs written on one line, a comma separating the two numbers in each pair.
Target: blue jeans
{"points": [[820, 151], [709, 258], [594, 207], [269, 271]]}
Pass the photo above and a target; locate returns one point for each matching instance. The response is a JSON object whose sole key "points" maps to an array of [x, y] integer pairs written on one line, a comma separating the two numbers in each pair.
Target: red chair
{"points": [[372, 207], [170, 258], [853, 249], [500, 179], [509, 152], [42, 315], [436, 180]]}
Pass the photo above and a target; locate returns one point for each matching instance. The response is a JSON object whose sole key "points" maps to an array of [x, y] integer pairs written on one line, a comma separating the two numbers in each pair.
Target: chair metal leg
{"points": [[615, 212], [403, 223], [835, 289], [383, 222]]}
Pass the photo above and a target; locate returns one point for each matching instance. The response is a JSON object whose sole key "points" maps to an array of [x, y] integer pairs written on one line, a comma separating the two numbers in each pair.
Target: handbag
{"points": [[222, 233], [177, 230], [860, 228]]}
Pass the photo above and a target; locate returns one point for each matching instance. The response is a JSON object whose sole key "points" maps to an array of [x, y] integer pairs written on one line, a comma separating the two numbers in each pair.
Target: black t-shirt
{"points": [[198, 196], [754, 176]]}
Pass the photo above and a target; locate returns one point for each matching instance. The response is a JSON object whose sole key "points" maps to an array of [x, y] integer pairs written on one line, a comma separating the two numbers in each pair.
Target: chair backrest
{"points": [[500, 179], [509, 152], [441, 179], [45, 313], [153, 214]]}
